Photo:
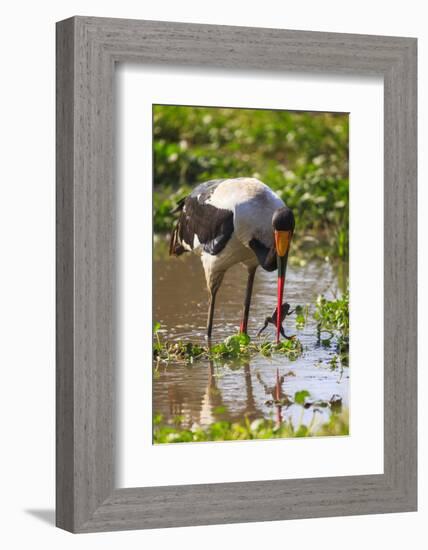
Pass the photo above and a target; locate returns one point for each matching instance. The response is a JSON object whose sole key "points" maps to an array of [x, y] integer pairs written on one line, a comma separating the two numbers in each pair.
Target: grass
{"points": [[302, 156], [262, 428]]}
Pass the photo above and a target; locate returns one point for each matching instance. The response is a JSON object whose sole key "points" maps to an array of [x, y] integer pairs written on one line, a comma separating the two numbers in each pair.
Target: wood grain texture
{"points": [[87, 50], [64, 276]]}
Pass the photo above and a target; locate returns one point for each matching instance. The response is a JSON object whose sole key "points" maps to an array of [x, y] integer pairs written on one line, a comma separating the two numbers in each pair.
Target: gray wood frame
{"points": [[87, 50]]}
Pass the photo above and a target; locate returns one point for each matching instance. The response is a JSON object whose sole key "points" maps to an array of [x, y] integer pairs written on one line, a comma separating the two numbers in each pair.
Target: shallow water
{"points": [[203, 392]]}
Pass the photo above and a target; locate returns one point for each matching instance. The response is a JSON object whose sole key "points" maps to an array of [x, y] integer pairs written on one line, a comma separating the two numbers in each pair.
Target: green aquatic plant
{"points": [[291, 347], [174, 351], [334, 362], [177, 351], [337, 424], [333, 315], [332, 318], [261, 428], [300, 397], [302, 313], [235, 347]]}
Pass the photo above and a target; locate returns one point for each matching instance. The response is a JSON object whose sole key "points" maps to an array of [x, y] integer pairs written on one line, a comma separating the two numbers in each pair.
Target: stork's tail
{"points": [[175, 246]]}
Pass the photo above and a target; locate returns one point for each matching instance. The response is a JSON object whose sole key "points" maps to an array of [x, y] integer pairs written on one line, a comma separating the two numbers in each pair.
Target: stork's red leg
{"points": [[247, 302]]}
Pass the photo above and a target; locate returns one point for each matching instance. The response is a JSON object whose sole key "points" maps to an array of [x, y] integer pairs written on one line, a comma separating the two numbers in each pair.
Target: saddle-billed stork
{"points": [[229, 221]]}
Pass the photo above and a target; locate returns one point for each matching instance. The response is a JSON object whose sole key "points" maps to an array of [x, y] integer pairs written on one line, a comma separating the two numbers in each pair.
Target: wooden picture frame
{"points": [[87, 50]]}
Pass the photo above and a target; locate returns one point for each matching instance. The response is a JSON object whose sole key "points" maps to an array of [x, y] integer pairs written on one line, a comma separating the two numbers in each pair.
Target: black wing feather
{"points": [[213, 226]]}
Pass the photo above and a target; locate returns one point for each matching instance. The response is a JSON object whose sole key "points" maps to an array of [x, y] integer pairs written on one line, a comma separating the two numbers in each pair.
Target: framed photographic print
{"points": [[236, 274]]}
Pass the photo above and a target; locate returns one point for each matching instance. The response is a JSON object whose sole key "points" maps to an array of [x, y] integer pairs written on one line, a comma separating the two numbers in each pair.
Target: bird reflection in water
{"points": [[213, 406], [279, 398], [200, 400]]}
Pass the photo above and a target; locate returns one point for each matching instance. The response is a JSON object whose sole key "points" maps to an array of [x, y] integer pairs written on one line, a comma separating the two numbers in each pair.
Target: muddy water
{"points": [[204, 393]]}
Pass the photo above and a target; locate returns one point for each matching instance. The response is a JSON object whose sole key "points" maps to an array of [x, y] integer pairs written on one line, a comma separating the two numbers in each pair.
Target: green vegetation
{"points": [[302, 156], [337, 424], [332, 318], [238, 346], [302, 313], [333, 315]]}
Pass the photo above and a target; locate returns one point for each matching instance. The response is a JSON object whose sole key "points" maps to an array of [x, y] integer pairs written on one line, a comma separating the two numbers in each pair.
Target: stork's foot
{"points": [[293, 337]]}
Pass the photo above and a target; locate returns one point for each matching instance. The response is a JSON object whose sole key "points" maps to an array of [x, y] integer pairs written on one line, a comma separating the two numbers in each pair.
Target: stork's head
{"points": [[283, 228]]}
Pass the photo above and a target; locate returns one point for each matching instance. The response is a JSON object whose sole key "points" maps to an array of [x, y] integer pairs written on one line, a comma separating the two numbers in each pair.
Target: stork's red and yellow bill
{"points": [[282, 246]]}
